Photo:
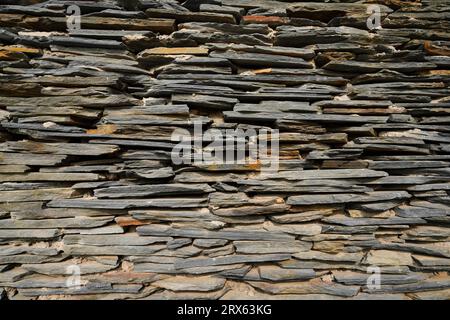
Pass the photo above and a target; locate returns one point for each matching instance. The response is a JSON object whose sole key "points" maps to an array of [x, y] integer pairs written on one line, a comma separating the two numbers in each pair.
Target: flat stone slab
{"points": [[65, 267], [385, 257], [203, 262], [160, 230], [31, 234], [131, 203], [269, 247], [346, 198], [152, 190], [90, 117], [315, 286], [113, 240], [180, 283]]}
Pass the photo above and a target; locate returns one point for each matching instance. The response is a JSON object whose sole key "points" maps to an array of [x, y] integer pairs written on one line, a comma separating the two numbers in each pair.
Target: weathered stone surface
{"points": [[311, 186], [273, 273], [226, 260], [321, 256], [246, 234], [266, 247], [439, 249], [178, 243], [58, 148], [260, 59], [296, 229], [205, 101], [427, 261], [152, 190], [186, 16], [352, 278], [132, 203], [175, 51], [251, 210], [90, 101], [428, 285], [425, 232], [88, 123], [31, 234], [51, 213], [188, 295], [84, 250], [173, 215], [236, 12], [302, 36], [373, 221], [78, 222], [200, 177], [326, 118], [62, 268], [431, 295], [388, 258], [13, 275], [15, 249], [209, 243], [109, 229], [417, 212], [102, 23], [370, 67], [303, 53], [315, 286], [31, 159], [325, 174], [302, 216], [180, 283], [43, 176], [18, 196], [113, 240], [29, 258], [346, 198], [90, 288]]}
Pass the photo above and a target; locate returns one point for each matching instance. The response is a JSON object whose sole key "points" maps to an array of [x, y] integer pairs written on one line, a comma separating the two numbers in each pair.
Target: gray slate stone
{"points": [[130, 203], [269, 247], [159, 230], [113, 240], [348, 198], [31, 234], [64, 267], [273, 273], [225, 260], [152, 190]]}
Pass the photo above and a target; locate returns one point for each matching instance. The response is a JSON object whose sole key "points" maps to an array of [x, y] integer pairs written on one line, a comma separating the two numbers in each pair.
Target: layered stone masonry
{"points": [[354, 93]]}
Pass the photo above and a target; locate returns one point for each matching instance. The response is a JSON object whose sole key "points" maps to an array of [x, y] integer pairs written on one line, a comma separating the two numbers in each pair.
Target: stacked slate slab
{"points": [[89, 192]]}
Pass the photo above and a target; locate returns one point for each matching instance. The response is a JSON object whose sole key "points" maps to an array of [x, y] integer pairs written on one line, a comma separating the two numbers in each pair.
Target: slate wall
{"points": [[88, 185]]}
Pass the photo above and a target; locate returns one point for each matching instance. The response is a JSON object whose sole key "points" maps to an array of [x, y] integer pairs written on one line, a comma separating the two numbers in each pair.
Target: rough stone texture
{"points": [[87, 181], [181, 283]]}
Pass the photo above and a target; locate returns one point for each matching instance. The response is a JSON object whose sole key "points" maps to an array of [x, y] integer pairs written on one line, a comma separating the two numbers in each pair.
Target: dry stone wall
{"points": [[93, 206]]}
